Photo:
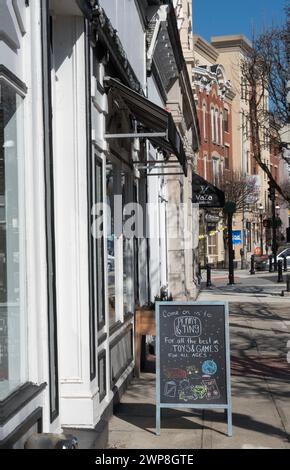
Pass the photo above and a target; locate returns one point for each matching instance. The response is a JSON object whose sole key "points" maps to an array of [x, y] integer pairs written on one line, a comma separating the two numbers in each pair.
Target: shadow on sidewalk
{"points": [[248, 310], [244, 421], [266, 367], [240, 289], [142, 415]]}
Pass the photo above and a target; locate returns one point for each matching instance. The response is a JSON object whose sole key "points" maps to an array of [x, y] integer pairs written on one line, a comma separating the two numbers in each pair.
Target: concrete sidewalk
{"points": [[259, 333], [257, 288]]}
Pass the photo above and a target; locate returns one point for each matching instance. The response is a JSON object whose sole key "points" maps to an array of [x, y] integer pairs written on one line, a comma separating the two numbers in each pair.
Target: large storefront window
{"points": [[111, 183], [99, 251], [120, 246], [12, 242], [128, 243]]}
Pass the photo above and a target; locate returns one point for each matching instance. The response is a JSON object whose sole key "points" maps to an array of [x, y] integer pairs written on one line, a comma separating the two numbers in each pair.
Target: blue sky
{"points": [[219, 17]]}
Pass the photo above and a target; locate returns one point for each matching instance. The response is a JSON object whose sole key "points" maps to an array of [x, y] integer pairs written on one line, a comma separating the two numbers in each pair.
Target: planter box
{"points": [[144, 325]]}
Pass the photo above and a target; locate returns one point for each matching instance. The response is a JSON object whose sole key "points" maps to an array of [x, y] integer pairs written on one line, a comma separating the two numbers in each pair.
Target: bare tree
{"points": [[240, 189], [266, 71]]}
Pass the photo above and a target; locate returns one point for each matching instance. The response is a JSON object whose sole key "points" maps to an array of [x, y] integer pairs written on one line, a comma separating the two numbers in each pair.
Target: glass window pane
{"points": [[102, 376], [99, 251], [128, 245], [110, 183], [226, 120], [12, 240]]}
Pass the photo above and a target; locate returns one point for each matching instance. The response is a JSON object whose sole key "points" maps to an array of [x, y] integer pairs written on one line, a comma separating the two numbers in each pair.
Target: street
{"points": [[260, 374]]}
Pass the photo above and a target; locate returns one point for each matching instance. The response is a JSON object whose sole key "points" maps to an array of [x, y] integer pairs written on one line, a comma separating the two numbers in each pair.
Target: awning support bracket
{"points": [[136, 135]]}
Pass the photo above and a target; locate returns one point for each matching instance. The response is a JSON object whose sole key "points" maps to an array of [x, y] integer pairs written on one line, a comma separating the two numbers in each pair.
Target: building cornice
{"points": [[204, 48], [238, 41], [204, 78]]}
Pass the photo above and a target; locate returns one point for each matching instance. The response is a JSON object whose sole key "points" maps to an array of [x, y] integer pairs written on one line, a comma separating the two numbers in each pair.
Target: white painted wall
{"points": [[125, 18], [78, 395], [157, 197]]}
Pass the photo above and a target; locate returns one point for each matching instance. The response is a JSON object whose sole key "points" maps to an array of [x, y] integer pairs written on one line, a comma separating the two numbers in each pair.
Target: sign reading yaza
{"points": [[206, 194], [107, 460]]}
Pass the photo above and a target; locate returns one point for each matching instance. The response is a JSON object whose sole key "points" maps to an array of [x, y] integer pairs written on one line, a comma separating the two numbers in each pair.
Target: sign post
{"points": [[192, 357]]}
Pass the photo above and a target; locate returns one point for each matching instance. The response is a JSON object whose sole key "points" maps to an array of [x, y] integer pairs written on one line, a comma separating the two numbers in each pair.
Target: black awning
{"points": [[153, 119], [206, 194]]}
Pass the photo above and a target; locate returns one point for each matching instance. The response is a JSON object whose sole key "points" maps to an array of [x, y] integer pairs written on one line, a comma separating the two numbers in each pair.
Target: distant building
{"points": [[232, 51], [214, 97]]}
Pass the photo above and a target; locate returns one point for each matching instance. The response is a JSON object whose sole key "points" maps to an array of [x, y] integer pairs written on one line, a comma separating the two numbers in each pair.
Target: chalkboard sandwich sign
{"points": [[192, 357]]}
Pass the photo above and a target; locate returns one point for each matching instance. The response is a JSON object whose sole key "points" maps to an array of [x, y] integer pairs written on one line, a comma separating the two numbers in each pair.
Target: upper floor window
{"points": [[244, 89], [226, 120], [215, 171], [217, 126], [227, 158], [221, 129], [248, 161], [205, 166], [204, 121], [212, 125]]}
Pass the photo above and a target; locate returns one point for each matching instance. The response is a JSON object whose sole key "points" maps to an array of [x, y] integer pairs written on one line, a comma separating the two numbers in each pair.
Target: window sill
{"points": [[11, 405]]}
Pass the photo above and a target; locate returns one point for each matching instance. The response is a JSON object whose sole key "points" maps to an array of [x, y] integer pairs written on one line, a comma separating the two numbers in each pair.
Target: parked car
{"points": [[262, 262]]}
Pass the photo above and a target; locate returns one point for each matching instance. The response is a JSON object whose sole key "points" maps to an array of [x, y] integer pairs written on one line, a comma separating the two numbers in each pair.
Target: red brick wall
{"points": [[207, 146]]}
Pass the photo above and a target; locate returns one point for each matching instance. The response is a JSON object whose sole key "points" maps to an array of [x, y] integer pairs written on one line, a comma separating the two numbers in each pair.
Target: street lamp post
{"points": [[274, 235], [277, 212], [229, 210], [261, 210]]}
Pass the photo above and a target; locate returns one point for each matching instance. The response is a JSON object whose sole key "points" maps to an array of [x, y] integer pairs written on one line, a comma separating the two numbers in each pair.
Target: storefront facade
{"points": [[79, 140], [29, 397]]}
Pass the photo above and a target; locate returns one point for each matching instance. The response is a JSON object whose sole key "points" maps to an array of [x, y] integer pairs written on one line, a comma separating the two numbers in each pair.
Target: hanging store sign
{"points": [[206, 194], [212, 218]]}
